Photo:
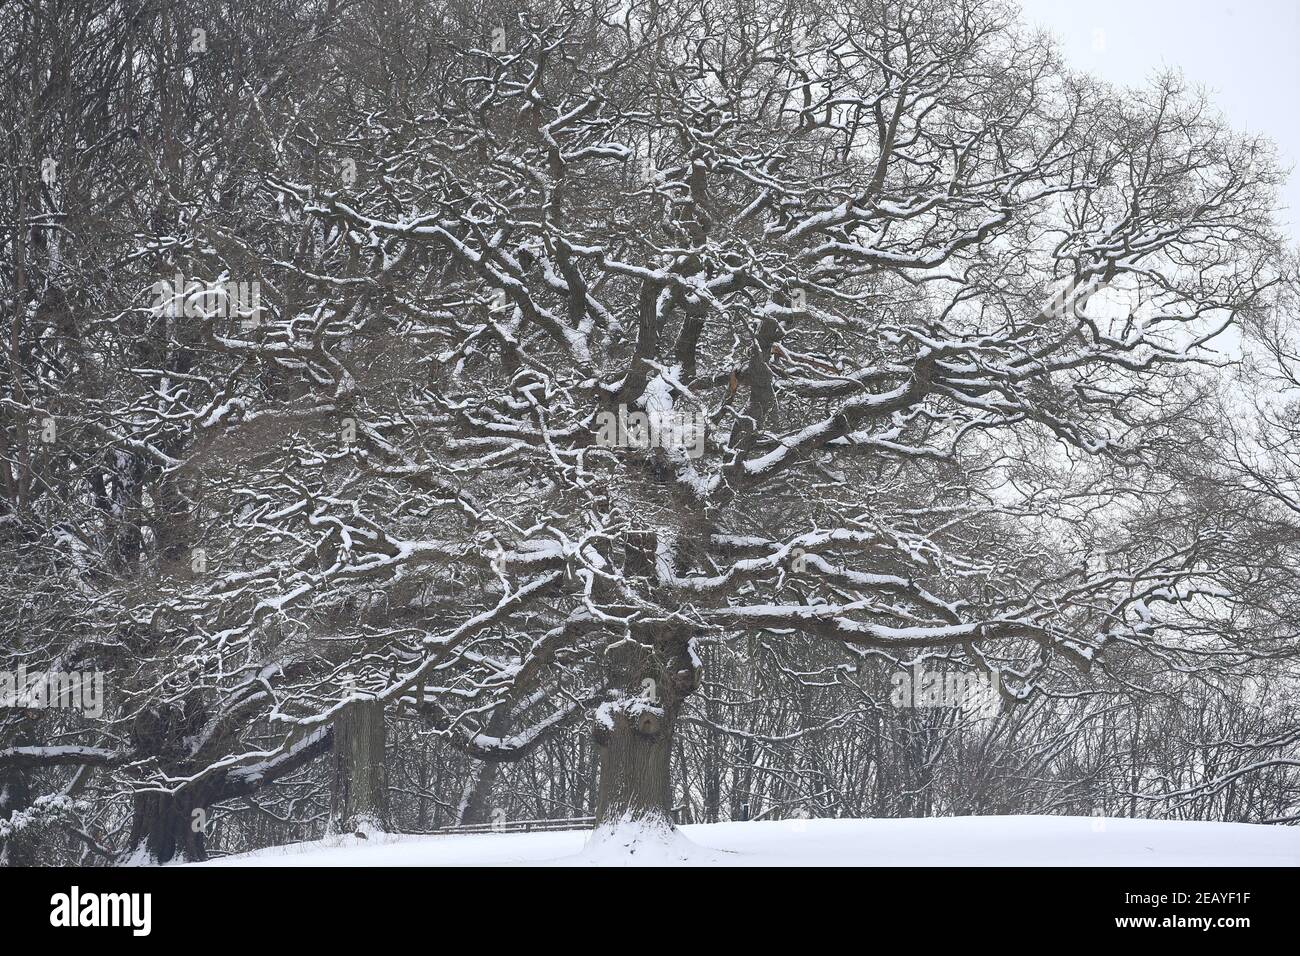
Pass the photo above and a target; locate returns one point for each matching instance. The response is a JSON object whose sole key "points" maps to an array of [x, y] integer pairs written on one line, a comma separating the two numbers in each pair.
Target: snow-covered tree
{"points": [[526, 358]]}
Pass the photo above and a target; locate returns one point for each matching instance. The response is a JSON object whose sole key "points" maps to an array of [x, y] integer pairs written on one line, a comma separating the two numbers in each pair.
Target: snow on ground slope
{"points": [[960, 841]]}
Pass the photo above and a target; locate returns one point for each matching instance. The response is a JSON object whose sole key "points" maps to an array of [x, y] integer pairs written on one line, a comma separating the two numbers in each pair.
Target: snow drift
{"points": [[948, 841]]}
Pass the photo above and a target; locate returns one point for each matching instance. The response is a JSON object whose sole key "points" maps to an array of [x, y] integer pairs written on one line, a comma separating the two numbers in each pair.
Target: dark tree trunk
{"points": [[168, 826], [745, 804], [635, 759], [712, 763], [1135, 775], [423, 773], [474, 807], [16, 796], [652, 675], [360, 792]]}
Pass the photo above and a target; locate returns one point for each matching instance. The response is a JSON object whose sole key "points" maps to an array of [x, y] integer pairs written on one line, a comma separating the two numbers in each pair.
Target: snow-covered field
{"points": [[996, 841]]}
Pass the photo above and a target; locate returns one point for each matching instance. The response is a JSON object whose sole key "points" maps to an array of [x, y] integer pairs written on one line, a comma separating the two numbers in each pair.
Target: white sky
{"points": [[1245, 53]]}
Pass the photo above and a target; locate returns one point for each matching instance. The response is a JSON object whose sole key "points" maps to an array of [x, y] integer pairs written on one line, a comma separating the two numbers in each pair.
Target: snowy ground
{"points": [[997, 841]]}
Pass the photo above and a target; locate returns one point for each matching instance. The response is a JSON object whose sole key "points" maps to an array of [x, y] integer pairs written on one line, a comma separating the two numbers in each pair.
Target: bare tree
{"points": [[597, 345]]}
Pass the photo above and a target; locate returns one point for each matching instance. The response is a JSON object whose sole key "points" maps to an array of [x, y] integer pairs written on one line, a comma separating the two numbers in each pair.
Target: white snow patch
{"points": [[943, 841], [638, 844]]}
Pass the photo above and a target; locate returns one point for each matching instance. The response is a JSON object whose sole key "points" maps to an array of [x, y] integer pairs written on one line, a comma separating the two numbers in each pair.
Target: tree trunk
{"points": [[165, 827], [474, 799], [1135, 775], [651, 675], [360, 792], [15, 797], [712, 762], [635, 757], [168, 826]]}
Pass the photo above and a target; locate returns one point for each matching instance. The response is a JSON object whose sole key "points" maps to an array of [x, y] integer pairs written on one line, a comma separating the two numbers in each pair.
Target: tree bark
{"points": [[15, 797], [712, 764], [165, 827], [474, 807], [651, 676], [360, 792], [636, 746]]}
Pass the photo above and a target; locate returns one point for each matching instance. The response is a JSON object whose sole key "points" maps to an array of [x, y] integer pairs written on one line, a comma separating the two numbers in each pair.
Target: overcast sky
{"points": [[1246, 53]]}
